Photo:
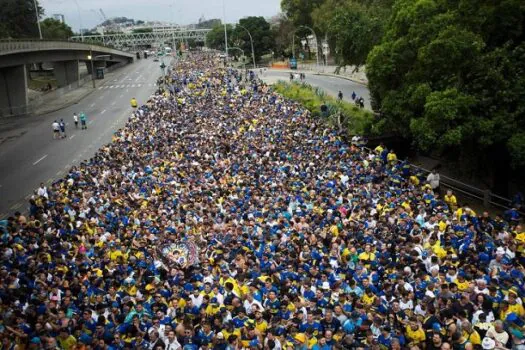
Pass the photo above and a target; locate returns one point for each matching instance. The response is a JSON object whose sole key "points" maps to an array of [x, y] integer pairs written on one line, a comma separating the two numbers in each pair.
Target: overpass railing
{"points": [[16, 45]]}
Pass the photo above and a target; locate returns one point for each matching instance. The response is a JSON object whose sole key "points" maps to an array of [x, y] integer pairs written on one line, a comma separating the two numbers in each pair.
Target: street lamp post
{"points": [[90, 57], [80, 19], [316, 43], [238, 48], [251, 42], [37, 19], [225, 31]]}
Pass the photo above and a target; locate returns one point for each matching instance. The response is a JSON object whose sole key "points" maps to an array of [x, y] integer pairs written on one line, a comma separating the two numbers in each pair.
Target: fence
{"points": [[485, 196]]}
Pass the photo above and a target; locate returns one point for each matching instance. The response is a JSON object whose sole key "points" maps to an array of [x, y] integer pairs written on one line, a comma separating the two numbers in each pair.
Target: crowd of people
{"points": [[223, 216]]}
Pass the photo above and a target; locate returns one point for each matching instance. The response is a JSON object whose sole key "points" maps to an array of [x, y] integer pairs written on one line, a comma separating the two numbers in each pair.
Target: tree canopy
{"points": [[18, 19], [261, 33], [53, 29], [449, 75], [215, 38]]}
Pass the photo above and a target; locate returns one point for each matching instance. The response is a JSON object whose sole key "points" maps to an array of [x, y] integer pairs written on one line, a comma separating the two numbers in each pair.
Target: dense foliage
{"points": [[53, 29], [446, 74], [450, 75], [354, 119], [18, 19]]}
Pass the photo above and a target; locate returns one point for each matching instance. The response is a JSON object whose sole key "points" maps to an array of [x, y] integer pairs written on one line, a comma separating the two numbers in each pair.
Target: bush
{"points": [[356, 120]]}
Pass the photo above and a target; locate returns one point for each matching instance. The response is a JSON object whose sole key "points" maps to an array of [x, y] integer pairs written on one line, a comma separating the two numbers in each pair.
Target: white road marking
{"points": [[59, 172], [113, 103], [139, 85], [104, 111], [39, 160], [15, 206], [67, 166], [121, 96], [72, 136], [101, 97], [91, 105], [132, 85], [90, 122], [67, 123]]}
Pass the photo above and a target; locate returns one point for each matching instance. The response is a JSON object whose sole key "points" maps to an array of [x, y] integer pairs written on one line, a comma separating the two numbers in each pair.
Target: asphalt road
{"points": [[35, 157], [331, 85]]}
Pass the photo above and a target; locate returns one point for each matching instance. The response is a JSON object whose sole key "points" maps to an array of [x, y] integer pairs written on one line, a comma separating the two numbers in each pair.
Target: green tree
{"points": [[18, 19], [215, 38], [261, 33], [53, 29], [281, 27], [451, 76], [353, 28]]}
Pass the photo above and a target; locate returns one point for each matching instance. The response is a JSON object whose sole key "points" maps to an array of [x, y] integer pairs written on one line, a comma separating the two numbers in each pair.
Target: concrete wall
{"points": [[13, 90], [66, 72]]}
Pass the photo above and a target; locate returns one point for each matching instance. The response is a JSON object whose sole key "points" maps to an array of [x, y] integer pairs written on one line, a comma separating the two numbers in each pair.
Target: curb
{"points": [[360, 82], [343, 77], [66, 105]]}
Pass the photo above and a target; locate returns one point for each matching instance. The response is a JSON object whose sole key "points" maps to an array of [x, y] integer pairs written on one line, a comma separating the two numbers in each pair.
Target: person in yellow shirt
{"points": [[66, 340], [514, 306], [391, 157], [470, 334], [415, 334], [367, 256], [451, 200]]}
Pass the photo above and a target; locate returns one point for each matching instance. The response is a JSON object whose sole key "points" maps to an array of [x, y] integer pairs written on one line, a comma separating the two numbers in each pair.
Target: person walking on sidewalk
{"points": [[56, 130], [75, 119], [83, 120], [62, 129]]}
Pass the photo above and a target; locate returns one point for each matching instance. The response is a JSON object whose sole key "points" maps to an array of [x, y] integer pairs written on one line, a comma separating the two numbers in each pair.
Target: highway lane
{"points": [[331, 85], [35, 157]]}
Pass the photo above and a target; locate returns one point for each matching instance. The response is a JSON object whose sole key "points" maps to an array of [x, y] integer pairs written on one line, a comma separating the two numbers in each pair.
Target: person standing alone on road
{"points": [[340, 95], [62, 129], [75, 119], [134, 103], [56, 130], [83, 120]]}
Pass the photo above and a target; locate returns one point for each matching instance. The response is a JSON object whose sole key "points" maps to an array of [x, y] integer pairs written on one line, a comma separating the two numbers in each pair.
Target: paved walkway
{"points": [[14, 127]]}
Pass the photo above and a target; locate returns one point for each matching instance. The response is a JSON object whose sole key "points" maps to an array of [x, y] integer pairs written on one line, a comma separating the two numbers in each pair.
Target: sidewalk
{"points": [[12, 128], [358, 77]]}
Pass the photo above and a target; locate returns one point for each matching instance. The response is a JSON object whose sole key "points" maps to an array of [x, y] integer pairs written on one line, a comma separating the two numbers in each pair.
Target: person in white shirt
{"points": [[75, 119], [171, 342], [196, 298], [42, 191], [433, 180], [56, 130], [251, 305]]}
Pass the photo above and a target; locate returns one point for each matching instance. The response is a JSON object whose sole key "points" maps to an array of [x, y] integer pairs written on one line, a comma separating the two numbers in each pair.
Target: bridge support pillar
{"points": [[13, 91], [66, 72]]}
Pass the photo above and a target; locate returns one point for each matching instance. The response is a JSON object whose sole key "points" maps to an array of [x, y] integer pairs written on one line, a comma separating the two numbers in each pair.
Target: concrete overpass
{"points": [[16, 55]]}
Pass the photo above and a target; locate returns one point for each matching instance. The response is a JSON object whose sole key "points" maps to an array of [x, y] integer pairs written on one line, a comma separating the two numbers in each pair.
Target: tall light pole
{"points": [[37, 19], [80, 19], [251, 42], [316, 43], [238, 48], [225, 31], [91, 58]]}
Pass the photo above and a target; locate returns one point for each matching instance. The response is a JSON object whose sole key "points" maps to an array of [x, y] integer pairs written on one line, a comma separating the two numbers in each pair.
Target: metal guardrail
{"points": [[485, 196], [9, 46]]}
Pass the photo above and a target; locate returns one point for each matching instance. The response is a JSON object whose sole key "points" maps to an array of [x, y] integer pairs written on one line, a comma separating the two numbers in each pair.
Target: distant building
{"points": [[59, 17]]}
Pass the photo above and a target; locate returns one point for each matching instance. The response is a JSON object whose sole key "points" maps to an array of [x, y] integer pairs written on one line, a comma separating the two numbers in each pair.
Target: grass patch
{"points": [[355, 120], [40, 82]]}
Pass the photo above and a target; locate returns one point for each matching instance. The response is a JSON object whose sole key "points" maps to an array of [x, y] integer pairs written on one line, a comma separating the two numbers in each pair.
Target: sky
{"points": [[86, 12]]}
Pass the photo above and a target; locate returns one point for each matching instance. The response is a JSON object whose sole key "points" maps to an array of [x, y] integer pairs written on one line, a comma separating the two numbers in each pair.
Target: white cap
{"points": [[488, 343], [220, 335]]}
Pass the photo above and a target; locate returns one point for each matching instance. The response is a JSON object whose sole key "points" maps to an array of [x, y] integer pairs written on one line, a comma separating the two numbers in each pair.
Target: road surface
{"points": [[35, 157], [331, 85]]}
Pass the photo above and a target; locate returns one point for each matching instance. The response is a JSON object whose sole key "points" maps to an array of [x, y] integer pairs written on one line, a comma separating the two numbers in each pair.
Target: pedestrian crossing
{"points": [[125, 86]]}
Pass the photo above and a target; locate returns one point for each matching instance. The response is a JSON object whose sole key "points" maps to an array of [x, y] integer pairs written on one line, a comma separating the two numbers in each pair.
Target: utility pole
{"points": [[225, 31], [37, 20], [251, 42]]}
